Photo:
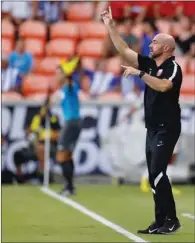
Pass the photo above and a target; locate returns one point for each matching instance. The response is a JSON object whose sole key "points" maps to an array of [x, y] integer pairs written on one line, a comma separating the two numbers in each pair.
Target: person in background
{"points": [[21, 59], [37, 135], [50, 11], [149, 31], [191, 52], [72, 123], [126, 33], [10, 77], [186, 36], [17, 11], [94, 83], [188, 9], [85, 85], [138, 10], [102, 81], [167, 9]]}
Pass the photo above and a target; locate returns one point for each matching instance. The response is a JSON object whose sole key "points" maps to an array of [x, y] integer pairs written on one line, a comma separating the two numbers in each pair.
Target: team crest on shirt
{"points": [[159, 72]]}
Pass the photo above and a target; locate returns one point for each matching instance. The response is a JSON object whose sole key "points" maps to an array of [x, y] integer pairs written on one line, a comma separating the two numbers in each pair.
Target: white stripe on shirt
{"points": [[174, 71], [101, 82], [9, 77]]}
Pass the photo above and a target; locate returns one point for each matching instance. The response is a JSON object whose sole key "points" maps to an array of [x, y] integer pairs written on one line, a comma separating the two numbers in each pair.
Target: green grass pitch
{"points": [[28, 215]]}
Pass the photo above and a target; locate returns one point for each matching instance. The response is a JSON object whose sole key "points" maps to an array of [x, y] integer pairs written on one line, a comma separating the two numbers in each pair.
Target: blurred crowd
{"points": [[36, 35]]}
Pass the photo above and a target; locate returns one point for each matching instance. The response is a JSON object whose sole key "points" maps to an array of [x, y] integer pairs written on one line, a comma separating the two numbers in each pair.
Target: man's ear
{"points": [[166, 48]]}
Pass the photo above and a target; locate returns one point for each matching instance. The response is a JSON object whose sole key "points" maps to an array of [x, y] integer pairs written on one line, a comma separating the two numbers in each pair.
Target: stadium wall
{"points": [[98, 119]]}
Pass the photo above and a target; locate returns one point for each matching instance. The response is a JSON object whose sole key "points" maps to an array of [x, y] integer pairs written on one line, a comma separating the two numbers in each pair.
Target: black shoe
{"points": [[67, 191], [152, 229], [170, 227]]}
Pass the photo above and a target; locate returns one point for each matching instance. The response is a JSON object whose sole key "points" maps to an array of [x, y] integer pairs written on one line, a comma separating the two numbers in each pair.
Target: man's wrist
{"points": [[112, 24], [141, 74]]}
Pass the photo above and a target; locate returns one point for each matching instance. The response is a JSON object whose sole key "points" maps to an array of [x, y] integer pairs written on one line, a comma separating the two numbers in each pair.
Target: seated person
{"points": [[37, 135], [10, 77], [21, 59], [49, 11]]}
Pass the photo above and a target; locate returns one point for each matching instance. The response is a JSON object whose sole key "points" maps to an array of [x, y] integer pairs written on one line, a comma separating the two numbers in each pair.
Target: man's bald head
{"points": [[167, 40], [162, 45]]}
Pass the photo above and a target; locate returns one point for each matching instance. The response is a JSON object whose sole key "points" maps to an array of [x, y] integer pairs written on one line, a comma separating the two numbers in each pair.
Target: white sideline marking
{"points": [[188, 215], [93, 215]]}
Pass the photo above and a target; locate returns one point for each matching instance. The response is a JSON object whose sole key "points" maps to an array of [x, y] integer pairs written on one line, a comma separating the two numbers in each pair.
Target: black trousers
{"points": [[159, 149]]}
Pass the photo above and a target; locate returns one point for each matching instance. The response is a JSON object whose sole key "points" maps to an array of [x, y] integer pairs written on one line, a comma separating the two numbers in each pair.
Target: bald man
{"points": [[163, 78]]}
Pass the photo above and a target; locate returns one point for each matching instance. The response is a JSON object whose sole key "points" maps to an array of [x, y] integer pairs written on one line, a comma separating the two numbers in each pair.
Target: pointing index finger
{"points": [[124, 66], [110, 11]]}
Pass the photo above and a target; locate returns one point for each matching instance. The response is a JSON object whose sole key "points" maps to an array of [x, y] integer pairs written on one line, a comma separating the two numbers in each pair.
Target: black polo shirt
{"points": [[162, 109]]}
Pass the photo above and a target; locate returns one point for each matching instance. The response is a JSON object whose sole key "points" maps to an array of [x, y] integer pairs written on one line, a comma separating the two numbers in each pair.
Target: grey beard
{"points": [[155, 56]]}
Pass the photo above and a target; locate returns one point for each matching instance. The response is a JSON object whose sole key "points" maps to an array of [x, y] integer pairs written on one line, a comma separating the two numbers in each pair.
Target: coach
{"points": [[163, 78]]}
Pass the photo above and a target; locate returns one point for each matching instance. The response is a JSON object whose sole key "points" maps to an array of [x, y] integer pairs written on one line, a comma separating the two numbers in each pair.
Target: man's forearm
{"points": [[122, 47], [157, 84]]}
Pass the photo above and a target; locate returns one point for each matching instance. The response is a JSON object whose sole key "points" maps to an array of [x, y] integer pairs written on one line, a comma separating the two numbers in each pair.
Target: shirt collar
{"points": [[169, 60]]}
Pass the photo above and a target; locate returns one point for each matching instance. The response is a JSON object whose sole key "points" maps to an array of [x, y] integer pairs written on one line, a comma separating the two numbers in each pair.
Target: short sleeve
{"points": [[144, 63], [174, 74], [11, 60]]}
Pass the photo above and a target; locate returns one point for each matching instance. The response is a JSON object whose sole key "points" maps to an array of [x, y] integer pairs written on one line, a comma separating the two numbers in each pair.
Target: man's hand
{"points": [[107, 17], [130, 71]]}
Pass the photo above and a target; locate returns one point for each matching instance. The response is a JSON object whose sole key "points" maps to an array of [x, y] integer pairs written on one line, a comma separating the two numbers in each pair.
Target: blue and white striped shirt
{"points": [[10, 78]]}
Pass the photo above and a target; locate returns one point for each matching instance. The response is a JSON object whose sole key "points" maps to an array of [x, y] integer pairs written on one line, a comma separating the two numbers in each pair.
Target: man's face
{"points": [[156, 48], [20, 46]]}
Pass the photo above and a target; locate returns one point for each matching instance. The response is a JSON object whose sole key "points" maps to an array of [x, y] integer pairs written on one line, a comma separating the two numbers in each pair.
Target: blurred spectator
{"points": [[149, 31], [191, 53], [188, 9], [37, 134], [85, 85], [126, 33], [10, 77], [131, 40], [112, 95], [186, 36], [167, 9], [102, 81], [18, 11], [130, 84], [94, 83], [50, 11], [135, 97], [138, 10], [21, 59]]}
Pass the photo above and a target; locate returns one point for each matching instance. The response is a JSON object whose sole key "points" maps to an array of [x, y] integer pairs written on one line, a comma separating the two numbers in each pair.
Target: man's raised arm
{"points": [[122, 47]]}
